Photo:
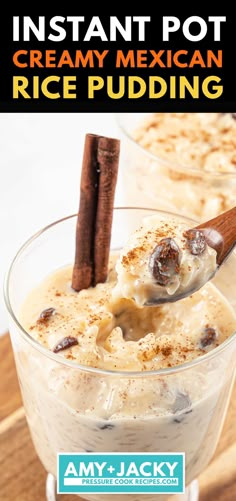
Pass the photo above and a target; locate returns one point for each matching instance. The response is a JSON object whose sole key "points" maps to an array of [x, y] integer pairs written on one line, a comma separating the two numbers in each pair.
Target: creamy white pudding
{"points": [[82, 408], [183, 162], [163, 260]]}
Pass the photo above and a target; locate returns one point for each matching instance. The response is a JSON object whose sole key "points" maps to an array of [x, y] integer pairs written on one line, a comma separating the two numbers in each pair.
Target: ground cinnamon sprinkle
{"points": [[184, 349], [166, 351], [93, 318], [125, 261], [132, 255], [101, 302], [162, 233], [69, 356]]}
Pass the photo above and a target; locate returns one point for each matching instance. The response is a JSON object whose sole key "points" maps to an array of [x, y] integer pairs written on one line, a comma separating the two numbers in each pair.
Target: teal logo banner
{"points": [[121, 473]]}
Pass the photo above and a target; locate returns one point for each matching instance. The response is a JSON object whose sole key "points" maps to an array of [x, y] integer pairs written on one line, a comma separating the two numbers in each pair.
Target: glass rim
{"points": [[176, 165], [95, 370]]}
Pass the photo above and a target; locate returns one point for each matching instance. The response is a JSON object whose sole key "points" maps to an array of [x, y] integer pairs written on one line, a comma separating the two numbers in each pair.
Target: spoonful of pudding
{"points": [[165, 260]]}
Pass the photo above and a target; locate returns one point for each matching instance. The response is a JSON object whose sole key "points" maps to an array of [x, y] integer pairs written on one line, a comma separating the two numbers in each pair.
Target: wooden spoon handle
{"points": [[220, 233]]}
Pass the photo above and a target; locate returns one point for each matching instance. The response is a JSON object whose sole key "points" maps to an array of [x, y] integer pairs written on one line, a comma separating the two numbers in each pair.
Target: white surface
{"points": [[40, 174]]}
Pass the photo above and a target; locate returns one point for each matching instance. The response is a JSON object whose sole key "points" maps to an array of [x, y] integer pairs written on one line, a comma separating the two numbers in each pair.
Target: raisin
{"points": [[45, 315], [164, 261], [180, 417], [209, 337], [65, 343], [182, 402], [196, 241], [107, 426]]}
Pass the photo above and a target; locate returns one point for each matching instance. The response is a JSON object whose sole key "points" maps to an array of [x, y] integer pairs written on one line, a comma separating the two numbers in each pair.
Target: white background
{"points": [[40, 161]]}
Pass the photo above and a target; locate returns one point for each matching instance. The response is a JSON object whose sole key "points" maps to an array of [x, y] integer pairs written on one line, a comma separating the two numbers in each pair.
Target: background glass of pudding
{"points": [[73, 408], [184, 162]]}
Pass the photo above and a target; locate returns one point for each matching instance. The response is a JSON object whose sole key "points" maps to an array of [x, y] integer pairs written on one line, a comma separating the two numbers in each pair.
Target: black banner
{"points": [[102, 63]]}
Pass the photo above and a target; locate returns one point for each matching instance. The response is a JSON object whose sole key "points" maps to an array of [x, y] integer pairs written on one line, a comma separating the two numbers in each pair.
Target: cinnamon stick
{"points": [[108, 159], [83, 268], [93, 230]]}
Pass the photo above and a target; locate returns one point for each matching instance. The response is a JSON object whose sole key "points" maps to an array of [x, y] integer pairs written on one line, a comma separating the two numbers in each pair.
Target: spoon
{"points": [[220, 235]]}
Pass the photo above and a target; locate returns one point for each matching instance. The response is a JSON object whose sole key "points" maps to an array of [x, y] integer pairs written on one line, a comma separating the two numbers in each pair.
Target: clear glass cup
{"points": [[60, 397], [152, 181]]}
